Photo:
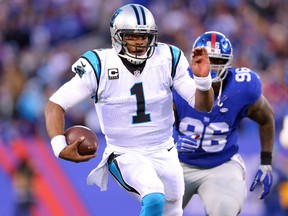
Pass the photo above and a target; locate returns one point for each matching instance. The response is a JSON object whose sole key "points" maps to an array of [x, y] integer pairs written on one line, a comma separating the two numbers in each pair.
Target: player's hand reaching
{"points": [[263, 175], [200, 63], [187, 144], [70, 152]]}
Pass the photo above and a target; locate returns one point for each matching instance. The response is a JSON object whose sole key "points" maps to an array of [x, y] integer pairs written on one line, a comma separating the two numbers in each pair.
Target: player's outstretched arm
{"points": [[261, 112], [54, 116], [200, 65]]}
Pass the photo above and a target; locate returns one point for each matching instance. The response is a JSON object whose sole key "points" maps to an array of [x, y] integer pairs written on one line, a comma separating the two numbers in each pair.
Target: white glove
{"points": [[263, 175], [187, 144]]}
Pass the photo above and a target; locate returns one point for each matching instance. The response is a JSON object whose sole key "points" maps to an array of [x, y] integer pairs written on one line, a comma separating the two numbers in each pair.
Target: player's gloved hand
{"points": [[187, 144], [263, 175]]}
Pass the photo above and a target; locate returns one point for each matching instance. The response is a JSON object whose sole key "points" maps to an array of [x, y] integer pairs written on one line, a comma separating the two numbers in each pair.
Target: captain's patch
{"points": [[113, 73]]}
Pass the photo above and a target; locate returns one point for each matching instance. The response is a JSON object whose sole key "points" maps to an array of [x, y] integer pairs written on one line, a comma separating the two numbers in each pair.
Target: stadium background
{"points": [[40, 39]]}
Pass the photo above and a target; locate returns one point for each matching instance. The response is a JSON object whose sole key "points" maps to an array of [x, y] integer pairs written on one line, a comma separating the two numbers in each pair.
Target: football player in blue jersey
{"points": [[131, 84], [208, 145]]}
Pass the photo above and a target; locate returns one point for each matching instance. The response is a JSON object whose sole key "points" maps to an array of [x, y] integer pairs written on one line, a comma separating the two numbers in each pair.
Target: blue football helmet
{"points": [[133, 19], [220, 53]]}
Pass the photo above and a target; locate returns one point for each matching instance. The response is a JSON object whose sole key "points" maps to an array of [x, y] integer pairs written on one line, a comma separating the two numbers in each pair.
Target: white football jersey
{"points": [[134, 109]]}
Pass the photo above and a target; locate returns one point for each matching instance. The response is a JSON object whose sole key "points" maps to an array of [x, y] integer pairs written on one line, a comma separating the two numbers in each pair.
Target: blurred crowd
{"points": [[40, 39]]}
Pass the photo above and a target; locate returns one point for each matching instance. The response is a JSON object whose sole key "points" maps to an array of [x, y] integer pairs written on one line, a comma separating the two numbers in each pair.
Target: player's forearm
{"points": [[54, 116], [204, 95], [267, 136], [262, 113], [204, 100]]}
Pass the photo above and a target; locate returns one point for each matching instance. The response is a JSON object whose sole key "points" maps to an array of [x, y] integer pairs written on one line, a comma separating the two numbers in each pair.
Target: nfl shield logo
{"points": [[137, 73]]}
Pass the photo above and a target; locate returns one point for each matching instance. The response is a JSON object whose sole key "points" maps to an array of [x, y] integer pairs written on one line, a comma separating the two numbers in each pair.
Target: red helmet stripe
{"points": [[213, 40]]}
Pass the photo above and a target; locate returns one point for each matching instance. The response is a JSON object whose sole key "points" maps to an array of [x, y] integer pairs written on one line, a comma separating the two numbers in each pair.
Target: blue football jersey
{"points": [[218, 129]]}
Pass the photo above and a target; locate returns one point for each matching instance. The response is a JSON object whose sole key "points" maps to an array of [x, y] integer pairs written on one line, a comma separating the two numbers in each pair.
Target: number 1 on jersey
{"points": [[141, 117]]}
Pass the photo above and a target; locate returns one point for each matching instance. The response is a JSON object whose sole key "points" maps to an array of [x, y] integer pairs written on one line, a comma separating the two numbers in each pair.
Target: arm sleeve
{"points": [[183, 83], [77, 89], [187, 90], [70, 94]]}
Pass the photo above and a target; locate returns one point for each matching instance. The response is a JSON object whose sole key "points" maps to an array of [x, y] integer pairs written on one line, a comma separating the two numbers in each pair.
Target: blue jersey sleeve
{"points": [[248, 83]]}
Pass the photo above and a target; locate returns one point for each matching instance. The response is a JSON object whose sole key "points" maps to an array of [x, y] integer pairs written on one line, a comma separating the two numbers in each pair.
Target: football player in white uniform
{"points": [[208, 145], [131, 86]]}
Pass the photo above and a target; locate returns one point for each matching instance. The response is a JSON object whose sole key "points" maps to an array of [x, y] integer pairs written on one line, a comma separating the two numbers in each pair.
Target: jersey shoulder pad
{"points": [[245, 76], [247, 82], [87, 63]]}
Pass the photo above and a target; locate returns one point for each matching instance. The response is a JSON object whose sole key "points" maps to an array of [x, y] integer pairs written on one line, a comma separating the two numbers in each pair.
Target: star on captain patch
{"points": [[113, 73]]}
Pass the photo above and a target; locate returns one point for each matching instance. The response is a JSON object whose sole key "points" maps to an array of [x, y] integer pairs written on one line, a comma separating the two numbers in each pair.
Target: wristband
{"points": [[58, 143], [203, 83], [266, 158]]}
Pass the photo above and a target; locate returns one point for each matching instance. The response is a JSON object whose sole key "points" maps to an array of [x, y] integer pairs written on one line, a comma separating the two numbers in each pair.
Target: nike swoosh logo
{"points": [[83, 64], [170, 149]]}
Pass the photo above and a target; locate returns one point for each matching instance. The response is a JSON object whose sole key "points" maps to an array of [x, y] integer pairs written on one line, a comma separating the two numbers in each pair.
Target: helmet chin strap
{"points": [[219, 103], [220, 79], [131, 59]]}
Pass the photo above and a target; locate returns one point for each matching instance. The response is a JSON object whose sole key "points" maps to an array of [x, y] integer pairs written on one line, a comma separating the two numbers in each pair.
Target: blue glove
{"points": [[187, 144], [264, 175]]}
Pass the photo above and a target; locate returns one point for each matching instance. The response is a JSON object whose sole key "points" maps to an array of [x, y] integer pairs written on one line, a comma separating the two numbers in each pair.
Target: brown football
{"points": [[89, 145]]}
